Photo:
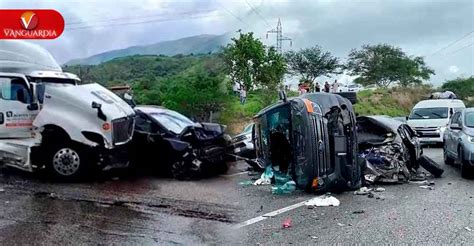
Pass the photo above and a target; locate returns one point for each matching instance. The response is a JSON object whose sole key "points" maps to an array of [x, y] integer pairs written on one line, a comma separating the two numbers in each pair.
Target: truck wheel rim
{"points": [[66, 162]]}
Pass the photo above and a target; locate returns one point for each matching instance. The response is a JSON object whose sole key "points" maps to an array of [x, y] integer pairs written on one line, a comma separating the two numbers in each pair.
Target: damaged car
{"points": [[392, 150], [175, 145], [242, 144], [312, 140]]}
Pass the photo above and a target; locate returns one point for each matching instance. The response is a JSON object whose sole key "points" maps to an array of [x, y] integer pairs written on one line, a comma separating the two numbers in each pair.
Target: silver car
{"points": [[459, 141]]}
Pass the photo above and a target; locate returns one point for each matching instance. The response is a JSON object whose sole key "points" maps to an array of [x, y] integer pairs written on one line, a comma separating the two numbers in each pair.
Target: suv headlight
{"points": [[470, 139]]}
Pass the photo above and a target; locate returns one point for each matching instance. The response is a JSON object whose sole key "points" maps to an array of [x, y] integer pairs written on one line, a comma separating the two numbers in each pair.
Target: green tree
{"points": [[250, 63], [384, 64], [311, 63], [198, 93]]}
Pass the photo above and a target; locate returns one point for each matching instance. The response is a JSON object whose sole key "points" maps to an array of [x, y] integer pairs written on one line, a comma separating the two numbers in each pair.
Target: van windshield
{"points": [[429, 113], [470, 119]]}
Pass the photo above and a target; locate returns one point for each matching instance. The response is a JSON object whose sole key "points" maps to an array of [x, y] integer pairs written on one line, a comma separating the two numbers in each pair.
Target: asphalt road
{"points": [[150, 210]]}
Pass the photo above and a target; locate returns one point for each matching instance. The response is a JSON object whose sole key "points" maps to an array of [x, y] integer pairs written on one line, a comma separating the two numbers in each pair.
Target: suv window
{"points": [[455, 118], [14, 89]]}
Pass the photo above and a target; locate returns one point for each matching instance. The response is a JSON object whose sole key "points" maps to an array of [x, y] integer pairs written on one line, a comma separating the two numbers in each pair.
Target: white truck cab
{"points": [[48, 120], [429, 118]]}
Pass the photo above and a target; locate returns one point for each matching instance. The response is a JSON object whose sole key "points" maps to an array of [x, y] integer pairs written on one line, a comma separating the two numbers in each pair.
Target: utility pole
{"points": [[279, 37]]}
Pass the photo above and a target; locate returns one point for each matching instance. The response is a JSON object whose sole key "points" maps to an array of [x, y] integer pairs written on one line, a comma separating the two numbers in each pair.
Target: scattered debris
{"points": [[369, 192], [340, 224], [428, 187], [467, 228], [286, 188], [323, 201], [246, 183], [314, 237], [266, 177], [261, 209], [287, 223], [358, 212], [362, 191]]}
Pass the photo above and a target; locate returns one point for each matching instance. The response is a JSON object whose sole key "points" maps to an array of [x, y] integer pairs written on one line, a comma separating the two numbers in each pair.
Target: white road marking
{"points": [[269, 215], [235, 174]]}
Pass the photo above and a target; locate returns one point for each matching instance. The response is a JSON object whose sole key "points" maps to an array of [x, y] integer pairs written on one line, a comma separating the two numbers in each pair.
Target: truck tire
{"points": [[430, 166], [66, 161]]}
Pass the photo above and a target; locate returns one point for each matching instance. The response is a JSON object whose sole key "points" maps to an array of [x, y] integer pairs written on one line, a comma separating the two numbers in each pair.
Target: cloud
{"points": [[419, 27], [453, 69]]}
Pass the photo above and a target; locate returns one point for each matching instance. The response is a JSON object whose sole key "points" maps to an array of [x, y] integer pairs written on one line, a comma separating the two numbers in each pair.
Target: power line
{"points": [[136, 18], [139, 22], [258, 13], [452, 43], [232, 14], [462, 48]]}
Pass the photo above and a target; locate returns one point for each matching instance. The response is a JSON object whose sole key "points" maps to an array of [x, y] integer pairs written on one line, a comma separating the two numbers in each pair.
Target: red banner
{"points": [[30, 24]]}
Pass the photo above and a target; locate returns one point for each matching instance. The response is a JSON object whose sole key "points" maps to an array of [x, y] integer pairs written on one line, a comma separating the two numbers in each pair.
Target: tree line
{"points": [[249, 62]]}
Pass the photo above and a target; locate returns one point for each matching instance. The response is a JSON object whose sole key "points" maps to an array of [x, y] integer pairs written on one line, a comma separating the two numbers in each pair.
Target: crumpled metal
{"points": [[386, 164]]}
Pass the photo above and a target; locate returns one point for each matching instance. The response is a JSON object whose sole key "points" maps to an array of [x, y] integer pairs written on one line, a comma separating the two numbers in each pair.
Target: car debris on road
{"points": [[323, 201], [391, 150]]}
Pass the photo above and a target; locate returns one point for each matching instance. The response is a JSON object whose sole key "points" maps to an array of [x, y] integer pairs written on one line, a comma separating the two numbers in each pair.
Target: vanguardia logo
{"points": [[29, 20]]}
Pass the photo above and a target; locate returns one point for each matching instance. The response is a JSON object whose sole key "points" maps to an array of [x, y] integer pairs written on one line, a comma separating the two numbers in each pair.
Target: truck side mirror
{"points": [[34, 97], [100, 113]]}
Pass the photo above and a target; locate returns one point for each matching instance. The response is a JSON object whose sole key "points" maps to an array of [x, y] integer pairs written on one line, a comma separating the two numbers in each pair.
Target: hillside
{"points": [[201, 44]]}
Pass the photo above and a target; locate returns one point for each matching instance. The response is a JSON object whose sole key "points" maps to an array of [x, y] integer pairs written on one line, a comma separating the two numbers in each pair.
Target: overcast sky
{"points": [[423, 28]]}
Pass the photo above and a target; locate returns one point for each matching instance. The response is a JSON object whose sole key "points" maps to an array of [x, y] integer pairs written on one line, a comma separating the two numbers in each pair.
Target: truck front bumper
{"points": [[118, 157]]}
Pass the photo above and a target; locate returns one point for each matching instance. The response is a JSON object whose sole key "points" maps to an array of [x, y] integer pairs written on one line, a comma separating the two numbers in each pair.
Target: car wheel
{"points": [[465, 169], [66, 161], [448, 160]]}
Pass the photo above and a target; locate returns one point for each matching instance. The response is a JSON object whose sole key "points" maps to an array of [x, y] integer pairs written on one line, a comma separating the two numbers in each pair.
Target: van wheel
{"points": [[66, 161]]}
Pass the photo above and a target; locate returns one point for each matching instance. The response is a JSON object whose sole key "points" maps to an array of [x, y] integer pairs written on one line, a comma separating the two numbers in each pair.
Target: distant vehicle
{"points": [[354, 88], [343, 88], [459, 141], [242, 144], [173, 144], [429, 118]]}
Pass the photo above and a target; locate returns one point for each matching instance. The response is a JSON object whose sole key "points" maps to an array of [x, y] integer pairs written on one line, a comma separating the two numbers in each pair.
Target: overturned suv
{"points": [[175, 145], [312, 139]]}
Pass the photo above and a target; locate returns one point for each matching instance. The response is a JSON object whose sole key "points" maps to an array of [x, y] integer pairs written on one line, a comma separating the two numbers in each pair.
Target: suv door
{"points": [[16, 120], [453, 133]]}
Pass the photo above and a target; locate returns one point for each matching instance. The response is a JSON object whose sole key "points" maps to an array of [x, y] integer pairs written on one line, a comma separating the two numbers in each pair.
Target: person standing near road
{"points": [[243, 95], [317, 87], [326, 87], [335, 86]]}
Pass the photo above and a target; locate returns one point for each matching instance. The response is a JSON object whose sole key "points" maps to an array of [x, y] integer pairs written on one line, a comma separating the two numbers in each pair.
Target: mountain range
{"points": [[200, 44]]}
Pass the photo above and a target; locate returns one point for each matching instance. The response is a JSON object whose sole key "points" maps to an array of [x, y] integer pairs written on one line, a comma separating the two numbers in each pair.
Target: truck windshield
{"points": [[429, 113], [173, 121], [470, 119]]}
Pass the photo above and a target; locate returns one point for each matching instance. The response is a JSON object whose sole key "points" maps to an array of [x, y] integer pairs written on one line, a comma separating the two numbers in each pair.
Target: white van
{"points": [[429, 118]]}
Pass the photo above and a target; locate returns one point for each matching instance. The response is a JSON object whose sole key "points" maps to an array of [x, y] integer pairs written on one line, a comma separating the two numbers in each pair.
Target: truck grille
{"points": [[122, 130]]}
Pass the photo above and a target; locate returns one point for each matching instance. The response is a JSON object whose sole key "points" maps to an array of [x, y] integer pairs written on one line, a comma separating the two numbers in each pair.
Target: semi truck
{"points": [[50, 121]]}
